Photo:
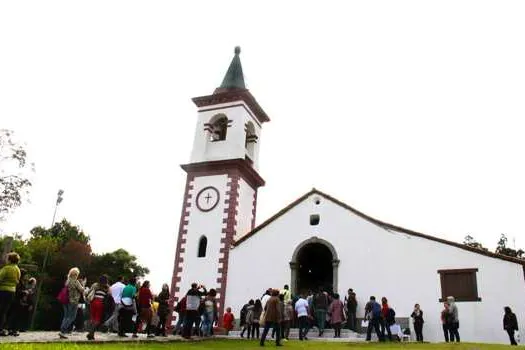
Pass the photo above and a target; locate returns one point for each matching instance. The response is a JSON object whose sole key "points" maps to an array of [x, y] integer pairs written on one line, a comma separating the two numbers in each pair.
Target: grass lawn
{"points": [[239, 344]]}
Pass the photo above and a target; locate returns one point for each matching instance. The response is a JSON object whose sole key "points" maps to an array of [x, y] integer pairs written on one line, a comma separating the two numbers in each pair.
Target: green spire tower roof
{"points": [[234, 78]]}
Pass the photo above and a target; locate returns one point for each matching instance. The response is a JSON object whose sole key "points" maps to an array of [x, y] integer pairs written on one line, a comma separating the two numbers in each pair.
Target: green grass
{"points": [[239, 344]]}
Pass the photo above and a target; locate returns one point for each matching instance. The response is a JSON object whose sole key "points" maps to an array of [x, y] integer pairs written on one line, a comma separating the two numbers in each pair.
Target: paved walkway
{"points": [[76, 337], [80, 337]]}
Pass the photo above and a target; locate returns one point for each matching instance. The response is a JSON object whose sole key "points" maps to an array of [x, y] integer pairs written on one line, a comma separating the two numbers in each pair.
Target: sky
{"points": [[409, 111]]}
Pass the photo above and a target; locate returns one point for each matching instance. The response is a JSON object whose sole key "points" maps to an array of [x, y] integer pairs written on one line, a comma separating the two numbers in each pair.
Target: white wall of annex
{"points": [[375, 261]]}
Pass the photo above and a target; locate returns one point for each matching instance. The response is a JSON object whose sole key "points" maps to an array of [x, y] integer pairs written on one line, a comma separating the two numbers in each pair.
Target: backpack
{"points": [[376, 310], [63, 296], [391, 318]]}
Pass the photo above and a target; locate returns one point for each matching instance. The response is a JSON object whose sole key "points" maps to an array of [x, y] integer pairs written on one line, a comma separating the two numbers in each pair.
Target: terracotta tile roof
{"points": [[379, 223]]}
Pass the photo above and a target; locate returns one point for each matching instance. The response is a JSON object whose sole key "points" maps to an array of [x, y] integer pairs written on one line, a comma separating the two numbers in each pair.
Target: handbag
{"points": [[63, 296], [262, 318], [364, 323]]}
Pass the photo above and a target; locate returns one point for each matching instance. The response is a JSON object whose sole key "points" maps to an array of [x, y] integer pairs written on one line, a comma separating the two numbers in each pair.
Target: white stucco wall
{"points": [[244, 209], [375, 261], [203, 270], [233, 147]]}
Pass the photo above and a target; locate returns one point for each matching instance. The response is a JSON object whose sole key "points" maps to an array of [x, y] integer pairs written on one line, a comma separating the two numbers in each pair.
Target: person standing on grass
{"points": [[243, 317], [180, 309], [373, 315], [454, 315], [320, 303], [445, 321], [387, 318], [75, 291], [16, 310], [336, 312], [163, 311], [272, 318], [193, 302], [351, 310], [9, 278], [228, 320], [144, 310], [288, 318], [96, 297], [417, 317], [257, 311], [301, 308], [248, 318], [510, 324], [128, 307], [116, 292], [210, 313]]}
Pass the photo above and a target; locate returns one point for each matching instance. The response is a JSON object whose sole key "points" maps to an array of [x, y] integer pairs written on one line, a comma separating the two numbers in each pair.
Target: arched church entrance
{"points": [[314, 264]]}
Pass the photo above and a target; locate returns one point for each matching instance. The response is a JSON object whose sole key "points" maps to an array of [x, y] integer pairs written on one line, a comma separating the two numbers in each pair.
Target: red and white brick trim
{"points": [[227, 237], [181, 247]]}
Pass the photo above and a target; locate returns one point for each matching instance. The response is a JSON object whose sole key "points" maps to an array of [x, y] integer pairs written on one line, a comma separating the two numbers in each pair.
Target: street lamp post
{"points": [[59, 200]]}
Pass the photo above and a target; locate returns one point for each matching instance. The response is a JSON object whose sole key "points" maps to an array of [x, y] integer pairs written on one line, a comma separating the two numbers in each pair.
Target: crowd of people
{"points": [[130, 307], [122, 307]]}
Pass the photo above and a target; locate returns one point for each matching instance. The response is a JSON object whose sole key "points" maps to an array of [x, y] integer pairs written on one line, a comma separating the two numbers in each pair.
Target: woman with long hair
{"points": [[144, 310], [257, 311], [163, 311], [74, 290], [417, 316], [96, 297]]}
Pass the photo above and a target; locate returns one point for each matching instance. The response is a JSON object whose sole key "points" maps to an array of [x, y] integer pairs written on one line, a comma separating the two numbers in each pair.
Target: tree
{"points": [[61, 232], [67, 246], [471, 242], [117, 263], [504, 250], [14, 173]]}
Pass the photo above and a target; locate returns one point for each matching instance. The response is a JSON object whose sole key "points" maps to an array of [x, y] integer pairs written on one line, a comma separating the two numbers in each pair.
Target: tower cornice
{"points": [[248, 173], [232, 96]]}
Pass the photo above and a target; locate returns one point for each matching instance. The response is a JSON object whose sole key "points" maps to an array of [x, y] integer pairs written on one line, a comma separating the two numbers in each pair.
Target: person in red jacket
{"points": [[228, 320], [144, 310]]}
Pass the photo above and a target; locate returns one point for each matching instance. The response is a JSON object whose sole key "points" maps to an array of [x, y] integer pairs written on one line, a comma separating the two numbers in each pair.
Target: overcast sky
{"points": [[410, 111]]}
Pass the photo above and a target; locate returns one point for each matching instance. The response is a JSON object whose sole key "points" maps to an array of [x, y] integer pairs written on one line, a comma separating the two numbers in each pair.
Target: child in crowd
{"points": [[228, 320]]}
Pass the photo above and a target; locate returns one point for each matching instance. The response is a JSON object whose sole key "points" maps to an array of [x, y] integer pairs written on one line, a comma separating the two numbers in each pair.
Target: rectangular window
{"points": [[314, 219], [459, 283]]}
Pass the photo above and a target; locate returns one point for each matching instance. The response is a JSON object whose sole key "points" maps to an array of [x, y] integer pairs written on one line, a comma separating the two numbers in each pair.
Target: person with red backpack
{"points": [[373, 315]]}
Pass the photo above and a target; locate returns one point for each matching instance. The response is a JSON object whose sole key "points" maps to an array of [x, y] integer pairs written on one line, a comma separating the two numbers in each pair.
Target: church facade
{"points": [[318, 240]]}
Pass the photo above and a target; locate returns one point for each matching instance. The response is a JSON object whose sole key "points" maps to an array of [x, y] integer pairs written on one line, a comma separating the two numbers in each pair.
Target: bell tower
{"points": [[220, 196]]}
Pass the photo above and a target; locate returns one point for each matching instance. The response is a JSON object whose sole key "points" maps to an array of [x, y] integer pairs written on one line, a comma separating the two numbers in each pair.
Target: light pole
{"points": [[59, 200]]}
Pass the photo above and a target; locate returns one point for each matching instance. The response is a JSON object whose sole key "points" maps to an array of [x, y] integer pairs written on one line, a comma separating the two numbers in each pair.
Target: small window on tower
{"points": [[218, 128], [203, 243], [314, 219], [251, 140]]}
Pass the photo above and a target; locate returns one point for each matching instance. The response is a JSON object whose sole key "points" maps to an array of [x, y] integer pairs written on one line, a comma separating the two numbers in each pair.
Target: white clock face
{"points": [[207, 198]]}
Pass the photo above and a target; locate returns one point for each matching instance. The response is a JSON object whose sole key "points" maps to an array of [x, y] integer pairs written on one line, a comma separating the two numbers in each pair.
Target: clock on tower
{"points": [[220, 197]]}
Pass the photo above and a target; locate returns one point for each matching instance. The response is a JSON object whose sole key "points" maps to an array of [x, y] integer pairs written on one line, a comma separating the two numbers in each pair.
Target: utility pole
{"points": [[59, 200]]}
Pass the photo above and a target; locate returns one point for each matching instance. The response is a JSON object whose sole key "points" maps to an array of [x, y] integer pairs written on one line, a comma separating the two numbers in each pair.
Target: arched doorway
{"points": [[314, 264]]}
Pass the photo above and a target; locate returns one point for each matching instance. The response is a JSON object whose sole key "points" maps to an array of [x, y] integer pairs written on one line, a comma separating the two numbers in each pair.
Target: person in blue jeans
{"points": [[272, 318], [75, 292], [210, 313], [373, 315]]}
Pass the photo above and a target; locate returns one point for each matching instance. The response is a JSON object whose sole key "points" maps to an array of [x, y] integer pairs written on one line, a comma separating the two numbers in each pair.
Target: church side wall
{"points": [[375, 261]]}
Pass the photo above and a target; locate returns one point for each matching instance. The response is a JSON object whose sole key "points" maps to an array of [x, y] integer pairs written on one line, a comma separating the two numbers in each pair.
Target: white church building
{"points": [[318, 240]]}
